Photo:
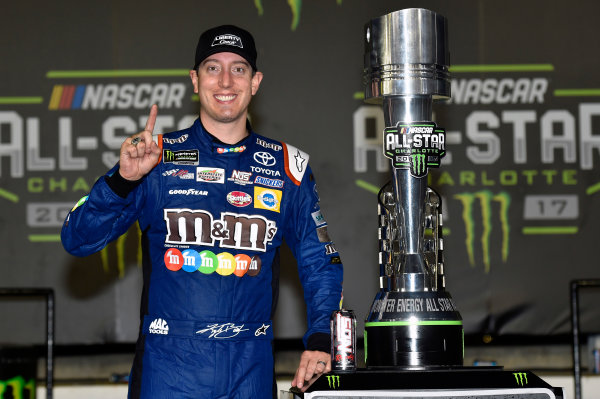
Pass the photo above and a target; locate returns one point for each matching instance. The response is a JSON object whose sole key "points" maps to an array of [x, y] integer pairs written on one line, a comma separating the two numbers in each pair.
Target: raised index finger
{"points": [[151, 118]]}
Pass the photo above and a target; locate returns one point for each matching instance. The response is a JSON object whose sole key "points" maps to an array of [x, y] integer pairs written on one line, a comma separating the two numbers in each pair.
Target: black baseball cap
{"points": [[229, 39]]}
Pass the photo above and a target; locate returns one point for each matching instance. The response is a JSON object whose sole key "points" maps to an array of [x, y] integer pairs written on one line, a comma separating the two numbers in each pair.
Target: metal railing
{"points": [[48, 294], [575, 285]]}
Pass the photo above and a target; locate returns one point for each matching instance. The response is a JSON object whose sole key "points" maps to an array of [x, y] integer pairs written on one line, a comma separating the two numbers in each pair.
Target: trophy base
{"points": [[413, 331], [413, 347]]}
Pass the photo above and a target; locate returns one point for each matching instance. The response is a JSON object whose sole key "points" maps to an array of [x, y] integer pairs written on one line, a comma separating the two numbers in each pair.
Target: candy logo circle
{"points": [[173, 259], [242, 262], [226, 264], [239, 198], [208, 262], [191, 260], [255, 265]]}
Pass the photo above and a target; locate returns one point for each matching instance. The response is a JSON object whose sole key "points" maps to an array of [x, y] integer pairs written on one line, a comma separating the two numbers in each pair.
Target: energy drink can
{"points": [[343, 340]]}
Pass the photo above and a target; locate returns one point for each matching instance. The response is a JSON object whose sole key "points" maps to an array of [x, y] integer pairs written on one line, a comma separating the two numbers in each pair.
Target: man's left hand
{"points": [[312, 365]]}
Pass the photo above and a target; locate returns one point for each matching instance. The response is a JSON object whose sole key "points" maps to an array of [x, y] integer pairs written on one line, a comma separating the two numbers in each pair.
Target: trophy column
{"points": [[413, 322]]}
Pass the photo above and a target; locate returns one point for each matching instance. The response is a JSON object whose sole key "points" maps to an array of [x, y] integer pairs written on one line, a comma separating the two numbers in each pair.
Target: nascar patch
{"points": [[182, 157]]}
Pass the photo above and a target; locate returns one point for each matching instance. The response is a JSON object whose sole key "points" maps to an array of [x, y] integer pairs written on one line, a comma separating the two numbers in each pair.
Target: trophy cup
{"points": [[413, 334], [413, 322]]}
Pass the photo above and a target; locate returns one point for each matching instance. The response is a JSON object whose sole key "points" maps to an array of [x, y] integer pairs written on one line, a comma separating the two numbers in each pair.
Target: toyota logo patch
{"points": [[264, 158]]}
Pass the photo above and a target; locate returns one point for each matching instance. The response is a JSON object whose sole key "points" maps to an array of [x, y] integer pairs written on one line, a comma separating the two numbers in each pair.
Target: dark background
{"points": [[310, 97]]}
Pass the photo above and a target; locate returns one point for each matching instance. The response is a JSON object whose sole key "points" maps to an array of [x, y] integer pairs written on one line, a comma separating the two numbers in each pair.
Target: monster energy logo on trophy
{"points": [[415, 146], [418, 164]]}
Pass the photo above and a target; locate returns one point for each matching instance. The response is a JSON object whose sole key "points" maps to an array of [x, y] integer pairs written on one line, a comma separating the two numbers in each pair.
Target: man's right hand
{"points": [[137, 159]]}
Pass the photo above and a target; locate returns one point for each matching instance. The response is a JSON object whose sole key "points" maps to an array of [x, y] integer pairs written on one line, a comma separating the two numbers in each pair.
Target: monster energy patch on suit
{"points": [[183, 157], [415, 146]]}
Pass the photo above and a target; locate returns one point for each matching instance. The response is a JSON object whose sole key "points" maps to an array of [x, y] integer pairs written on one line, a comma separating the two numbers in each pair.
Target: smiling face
{"points": [[225, 85]]}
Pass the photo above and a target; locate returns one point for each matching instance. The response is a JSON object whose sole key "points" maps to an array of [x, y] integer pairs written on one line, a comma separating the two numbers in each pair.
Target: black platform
{"points": [[460, 382]]}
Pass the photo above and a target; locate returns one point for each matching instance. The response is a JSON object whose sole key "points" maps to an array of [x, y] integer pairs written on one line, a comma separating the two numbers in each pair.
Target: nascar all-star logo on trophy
{"points": [[414, 146]]}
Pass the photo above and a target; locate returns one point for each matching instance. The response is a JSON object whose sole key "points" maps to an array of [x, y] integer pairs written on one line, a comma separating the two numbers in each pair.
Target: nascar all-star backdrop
{"points": [[519, 181]]}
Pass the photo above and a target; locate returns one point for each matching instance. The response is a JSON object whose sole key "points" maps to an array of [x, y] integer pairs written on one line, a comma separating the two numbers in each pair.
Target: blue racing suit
{"points": [[213, 217]]}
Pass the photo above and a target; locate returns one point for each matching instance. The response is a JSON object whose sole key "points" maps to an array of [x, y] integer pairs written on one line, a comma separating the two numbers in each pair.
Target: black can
{"points": [[343, 340]]}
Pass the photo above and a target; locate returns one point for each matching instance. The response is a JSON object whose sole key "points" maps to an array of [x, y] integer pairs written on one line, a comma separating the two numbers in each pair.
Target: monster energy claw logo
{"points": [[485, 198], [418, 164], [334, 381], [521, 378], [20, 388]]}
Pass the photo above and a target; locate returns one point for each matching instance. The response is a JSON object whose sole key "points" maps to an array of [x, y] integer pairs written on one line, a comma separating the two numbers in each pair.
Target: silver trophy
{"points": [[413, 322]]}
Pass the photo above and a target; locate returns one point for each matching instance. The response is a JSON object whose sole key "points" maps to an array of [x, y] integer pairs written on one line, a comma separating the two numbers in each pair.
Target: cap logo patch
{"points": [[227, 40]]}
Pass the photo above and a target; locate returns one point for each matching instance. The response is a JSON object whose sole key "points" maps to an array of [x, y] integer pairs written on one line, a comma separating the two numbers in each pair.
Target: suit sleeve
{"points": [[319, 265], [102, 216]]}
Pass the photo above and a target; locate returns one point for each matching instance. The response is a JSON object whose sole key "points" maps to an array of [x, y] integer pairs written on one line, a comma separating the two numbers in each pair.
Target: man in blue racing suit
{"points": [[214, 203]]}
